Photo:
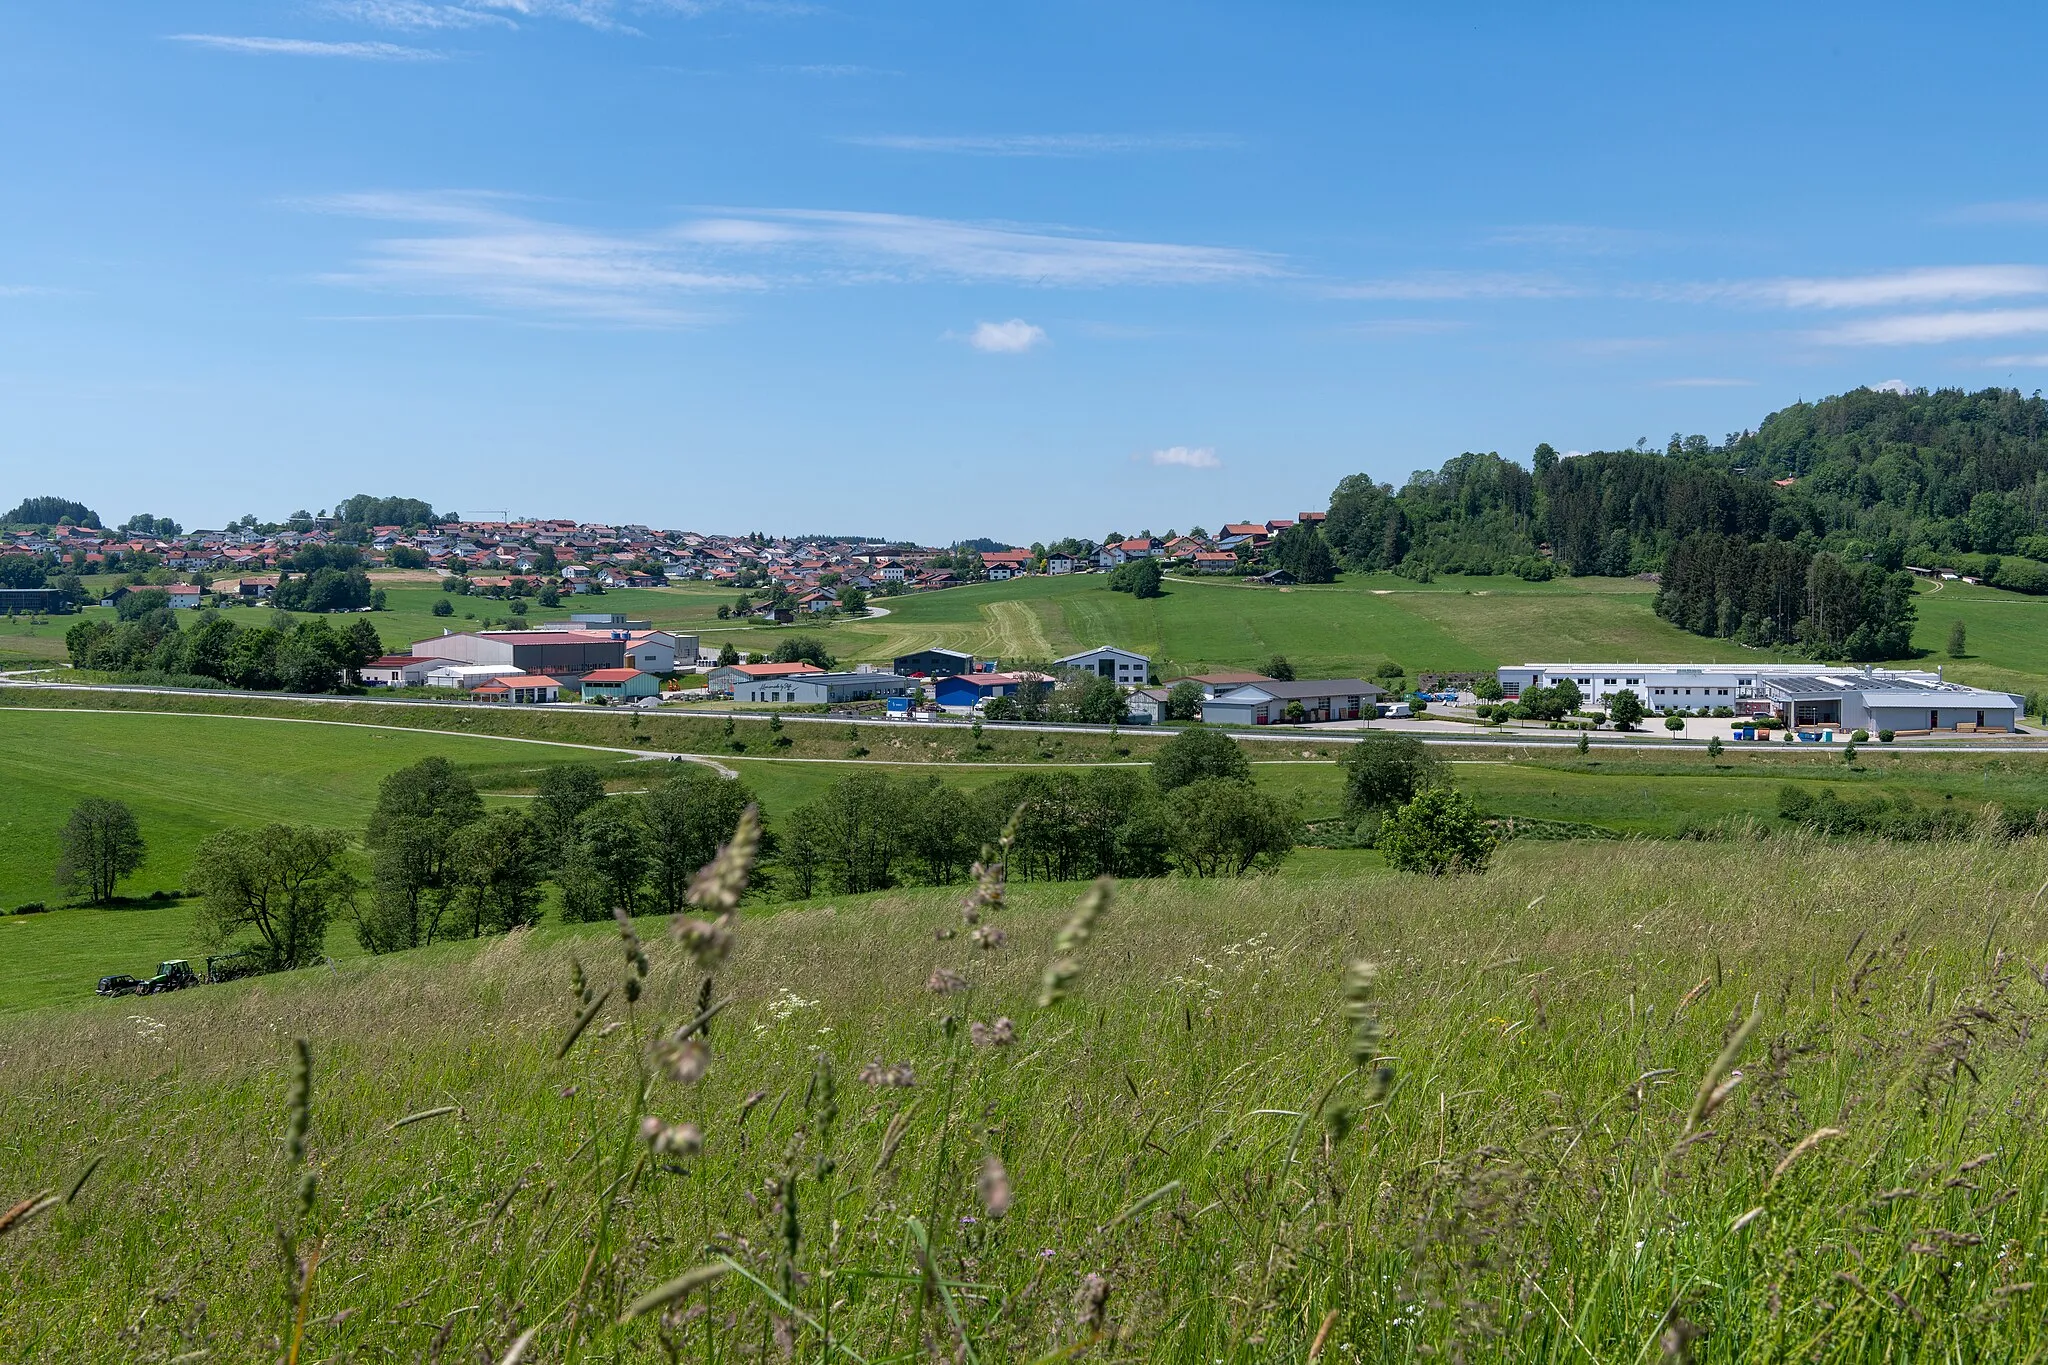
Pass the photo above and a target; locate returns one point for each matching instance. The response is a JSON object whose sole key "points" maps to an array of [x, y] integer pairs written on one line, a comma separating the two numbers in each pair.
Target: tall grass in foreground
{"points": [[1630, 1103]]}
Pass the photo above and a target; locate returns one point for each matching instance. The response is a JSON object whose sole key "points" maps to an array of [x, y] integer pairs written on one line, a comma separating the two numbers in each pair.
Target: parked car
{"points": [[118, 984]]}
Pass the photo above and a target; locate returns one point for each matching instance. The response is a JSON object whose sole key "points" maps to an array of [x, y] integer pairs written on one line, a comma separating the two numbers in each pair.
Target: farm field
{"points": [[1348, 628], [187, 775], [1546, 1168]]}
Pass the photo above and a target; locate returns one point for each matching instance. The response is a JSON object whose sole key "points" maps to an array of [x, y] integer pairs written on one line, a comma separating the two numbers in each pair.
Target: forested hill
{"points": [[1868, 481]]}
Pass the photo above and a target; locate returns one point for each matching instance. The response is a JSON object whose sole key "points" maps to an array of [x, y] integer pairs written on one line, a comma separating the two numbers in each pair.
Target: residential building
{"points": [[1006, 564], [619, 684], [1147, 706], [934, 663], [1125, 666], [397, 670], [1267, 702], [518, 689], [1214, 561], [1060, 563]]}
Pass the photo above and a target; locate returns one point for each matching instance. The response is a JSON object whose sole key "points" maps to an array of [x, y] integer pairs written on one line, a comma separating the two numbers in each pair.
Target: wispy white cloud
{"points": [[1574, 238], [889, 245], [1450, 285], [1703, 382], [1930, 329], [1042, 144], [1890, 386], [306, 47], [487, 249], [1187, 457], [1006, 338], [2017, 362], [829, 70], [413, 16], [1927, 284], [2009, 211]]}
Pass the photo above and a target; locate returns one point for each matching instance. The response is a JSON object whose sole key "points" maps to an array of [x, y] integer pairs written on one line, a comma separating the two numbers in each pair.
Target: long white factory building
{"points": [[1905, 701]]}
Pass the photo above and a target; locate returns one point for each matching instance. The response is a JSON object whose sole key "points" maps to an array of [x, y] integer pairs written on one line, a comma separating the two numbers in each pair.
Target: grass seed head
{"points": [[892, 1076], [944, 981], [994, 1185], [1001, 1033], [680, 1139], [718, 888], [683, 1060]]}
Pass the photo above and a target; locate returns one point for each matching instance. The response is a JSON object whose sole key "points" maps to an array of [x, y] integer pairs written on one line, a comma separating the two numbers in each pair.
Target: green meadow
{"points": [[1662, 1103]]}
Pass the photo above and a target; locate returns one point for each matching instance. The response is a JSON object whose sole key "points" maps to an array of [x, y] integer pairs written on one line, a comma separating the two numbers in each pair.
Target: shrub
{"points": [[442, 607], [1884, 736], [1437, 832], [1674, 722], [1714, 747], [1861, 736], [1196, 755]]}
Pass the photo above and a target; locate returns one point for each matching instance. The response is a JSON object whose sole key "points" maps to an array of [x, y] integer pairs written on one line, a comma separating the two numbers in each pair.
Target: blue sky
{"points": [[993, 269]]}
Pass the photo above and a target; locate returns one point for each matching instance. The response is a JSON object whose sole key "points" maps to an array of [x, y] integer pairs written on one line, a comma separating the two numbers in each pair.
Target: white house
{"points": [[398, 670], [1124, 666], [464, 677]]}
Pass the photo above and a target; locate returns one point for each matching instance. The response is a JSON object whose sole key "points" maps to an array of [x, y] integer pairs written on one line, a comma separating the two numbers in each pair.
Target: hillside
{"points": [[1178, 1161]]}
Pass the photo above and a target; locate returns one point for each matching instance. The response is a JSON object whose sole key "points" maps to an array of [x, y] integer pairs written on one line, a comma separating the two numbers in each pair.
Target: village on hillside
{"points": [[800, 574]]}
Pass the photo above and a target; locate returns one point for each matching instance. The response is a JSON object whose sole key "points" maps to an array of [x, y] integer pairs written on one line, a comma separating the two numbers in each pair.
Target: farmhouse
{"points": [[518, 689], [1107, 661], [1268, 702], [1006, 564], [619, 684], [934, 663]]}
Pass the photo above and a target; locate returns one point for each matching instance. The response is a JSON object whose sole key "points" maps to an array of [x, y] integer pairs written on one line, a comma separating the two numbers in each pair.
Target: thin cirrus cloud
{"points": [[1187, 457], [1934, 329], [1930, 284], [414, 16], [484, 248], [306, 47], [1006, 338], [1454, 285], [1040, 144]]}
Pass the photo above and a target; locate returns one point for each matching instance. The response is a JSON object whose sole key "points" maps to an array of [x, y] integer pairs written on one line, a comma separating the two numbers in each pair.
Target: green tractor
{"points": [[170, 976]]}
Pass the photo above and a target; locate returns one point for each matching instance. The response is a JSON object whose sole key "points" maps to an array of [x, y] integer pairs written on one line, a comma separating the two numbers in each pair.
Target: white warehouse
{"points": [[1901, 700]]}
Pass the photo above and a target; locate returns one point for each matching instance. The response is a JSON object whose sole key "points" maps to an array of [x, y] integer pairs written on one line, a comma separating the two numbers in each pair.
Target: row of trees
{"points": [[294, 655], [1775, 592], [1880, 479]]}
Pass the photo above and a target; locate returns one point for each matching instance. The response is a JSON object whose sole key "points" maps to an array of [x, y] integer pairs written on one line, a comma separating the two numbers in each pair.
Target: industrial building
{"points": [[934, 663], [556, 653], [824, 688], [1266, 703], [962, 692], [1904, 701], [1120, 665], [619, 684]]}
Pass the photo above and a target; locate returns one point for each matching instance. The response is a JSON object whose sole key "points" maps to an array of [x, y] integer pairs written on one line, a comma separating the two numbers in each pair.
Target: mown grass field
{"points": [[1662, 1103]]}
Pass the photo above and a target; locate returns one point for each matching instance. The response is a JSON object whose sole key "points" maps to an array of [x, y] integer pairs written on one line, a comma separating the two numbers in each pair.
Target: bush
{"points": [[1674, 723], [1884, 736], [1437, 832], [1861, 736], [1198, 755], [443, 607]]}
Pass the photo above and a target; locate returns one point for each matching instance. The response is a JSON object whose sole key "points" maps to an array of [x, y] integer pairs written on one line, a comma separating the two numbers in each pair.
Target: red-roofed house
{"points": [[723, 680], [518, 689], [398, 670]]}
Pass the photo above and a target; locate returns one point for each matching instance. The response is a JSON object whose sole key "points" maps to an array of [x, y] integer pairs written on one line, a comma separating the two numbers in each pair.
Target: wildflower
{"points": [[718, 888], [1001, 1033], [945, 982], [683, 1060], [683, 1139], [707, 941], [988, 937], [1091, 1304], [994, 1185], [897, 1076]]}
